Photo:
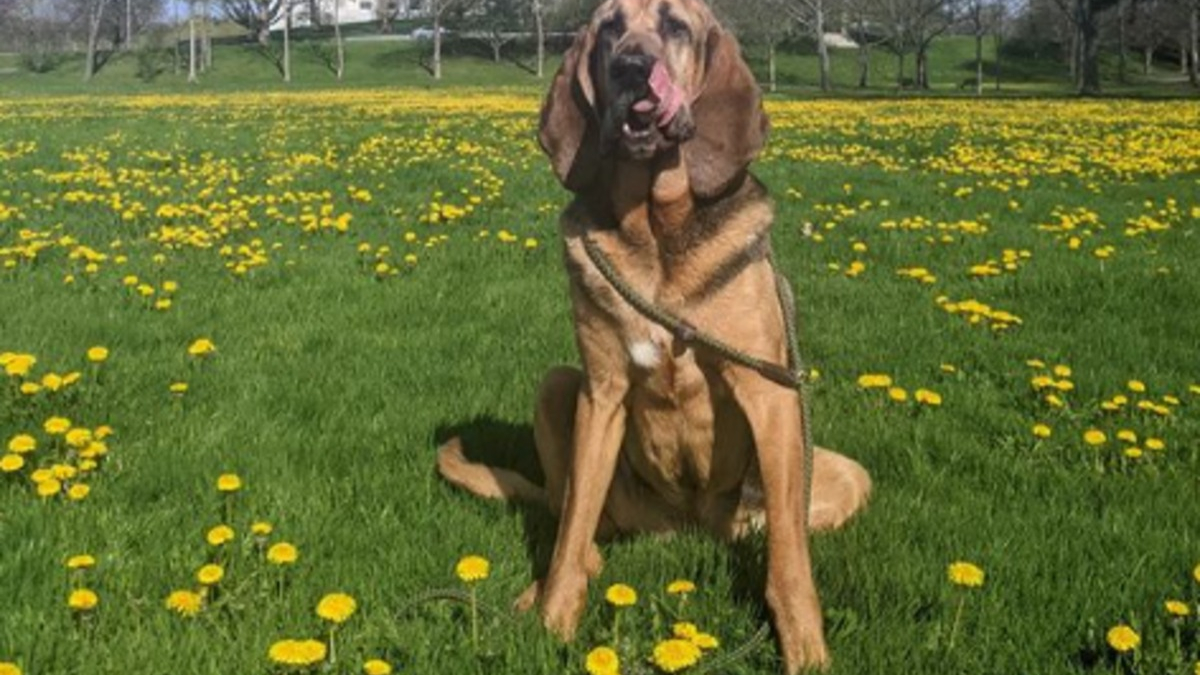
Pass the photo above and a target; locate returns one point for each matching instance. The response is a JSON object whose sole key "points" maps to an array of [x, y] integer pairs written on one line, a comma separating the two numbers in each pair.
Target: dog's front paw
{"points": [[563, 601], [804, 652]]}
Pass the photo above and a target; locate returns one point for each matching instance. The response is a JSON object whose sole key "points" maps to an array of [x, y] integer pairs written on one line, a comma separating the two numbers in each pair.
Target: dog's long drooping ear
{"points": [[570, 128], [731, 126]]}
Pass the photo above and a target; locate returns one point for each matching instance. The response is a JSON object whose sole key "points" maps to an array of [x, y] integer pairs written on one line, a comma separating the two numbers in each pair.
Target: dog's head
{"points": [[645, 76]]}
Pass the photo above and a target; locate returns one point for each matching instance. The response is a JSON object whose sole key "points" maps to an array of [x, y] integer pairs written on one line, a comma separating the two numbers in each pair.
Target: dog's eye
{"points": [[672, 28], [612, 29]]}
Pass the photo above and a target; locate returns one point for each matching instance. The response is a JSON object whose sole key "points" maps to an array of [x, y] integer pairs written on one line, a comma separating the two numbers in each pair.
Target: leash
{"points": [[792, 376]]}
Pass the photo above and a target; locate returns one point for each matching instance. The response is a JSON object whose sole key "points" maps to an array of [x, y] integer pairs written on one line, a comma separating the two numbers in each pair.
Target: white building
{"points": [[351, 11]]}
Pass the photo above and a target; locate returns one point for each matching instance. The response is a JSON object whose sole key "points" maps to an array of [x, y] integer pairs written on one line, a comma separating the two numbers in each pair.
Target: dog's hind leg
{"points": [[840, 488]]}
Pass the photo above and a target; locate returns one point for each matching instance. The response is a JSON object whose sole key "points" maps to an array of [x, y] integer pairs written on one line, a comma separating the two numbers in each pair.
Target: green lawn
{"points": [[333, 380], [372, 62]]}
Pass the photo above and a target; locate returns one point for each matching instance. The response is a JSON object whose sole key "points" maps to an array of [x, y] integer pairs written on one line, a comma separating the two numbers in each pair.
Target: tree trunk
{"points": [[1147, 58], [1089, 50], [772, 80], [1183, 56], [979, 59], [1195, 35], [496, 45], [540, 24], [822, 48], [263, 35], [128, 42], [192, 45], [437, 44], [95, 18], [337, 38], [1122, 10], [207, 25], [922, 78], [287, 42], [998, 43], [864, 57]]}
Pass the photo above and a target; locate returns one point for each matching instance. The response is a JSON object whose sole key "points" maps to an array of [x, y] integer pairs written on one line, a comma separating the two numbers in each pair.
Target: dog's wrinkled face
{"points": [[645, 63], [645, 76]]}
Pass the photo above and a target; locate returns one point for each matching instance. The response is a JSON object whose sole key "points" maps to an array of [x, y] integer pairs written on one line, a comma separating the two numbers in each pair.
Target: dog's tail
{"points": [[483, 480]]}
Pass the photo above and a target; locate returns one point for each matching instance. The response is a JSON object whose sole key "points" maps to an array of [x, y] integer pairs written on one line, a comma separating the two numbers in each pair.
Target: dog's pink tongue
{"points": [[670, 97]]}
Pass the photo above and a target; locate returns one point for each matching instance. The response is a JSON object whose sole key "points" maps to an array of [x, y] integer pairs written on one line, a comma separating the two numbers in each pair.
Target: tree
{"points": [[440, 10], [766, 22], [496, 21], [256, 16], [1083, 16], [94, 14], [538, 10]]}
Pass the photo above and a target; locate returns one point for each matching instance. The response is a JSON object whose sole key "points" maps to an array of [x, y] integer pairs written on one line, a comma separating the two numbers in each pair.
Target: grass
{"points": [[238, 66], [332, 384]]}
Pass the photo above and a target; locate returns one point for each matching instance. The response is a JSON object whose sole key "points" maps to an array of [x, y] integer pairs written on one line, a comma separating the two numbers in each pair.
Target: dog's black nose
{"points": [[632, 68]]}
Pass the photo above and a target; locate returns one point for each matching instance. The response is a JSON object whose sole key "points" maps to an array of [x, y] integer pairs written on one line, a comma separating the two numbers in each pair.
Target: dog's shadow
{"points": [[505, 445]]}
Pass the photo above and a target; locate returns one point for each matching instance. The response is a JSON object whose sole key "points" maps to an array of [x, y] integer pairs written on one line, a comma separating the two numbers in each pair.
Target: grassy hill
{"points": [[382, 61]]}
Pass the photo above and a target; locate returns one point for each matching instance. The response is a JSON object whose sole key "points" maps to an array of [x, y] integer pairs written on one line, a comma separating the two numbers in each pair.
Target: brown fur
{"points": [[653, 435]]}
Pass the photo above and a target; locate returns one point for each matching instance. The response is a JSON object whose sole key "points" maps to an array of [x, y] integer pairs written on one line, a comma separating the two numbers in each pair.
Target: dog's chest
{"points": [[680, 413]]}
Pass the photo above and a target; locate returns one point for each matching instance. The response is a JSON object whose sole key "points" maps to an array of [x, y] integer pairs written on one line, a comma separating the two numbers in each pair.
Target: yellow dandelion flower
{"points": [[22, 444], [30, 388], [1127, 435], [102, 432], [1177, 608], [11, 463], [201, 347], [1062, 371], [621, 595], [178, 388], [1042, 430], [83, 600], [1133, 452], [472, 568], [897, 394], [681, 587], [874, 381], [927, 397], [210, 575], [336, 607], [81, 562], [1196, 573], [1123, 639], [965, 574], [674, 655], [297, 652], [78, 437], [1155, 444], [48, 488], [78, 492], [1094, 437], [219, 535], [282, 553], [185, 603], [261, 528], [97, 354], [1136, 386], [603, 661], [706, 641], [7, 668], [229, 482], [41, 476], [377, 667], [685, 630], [56, 426]]}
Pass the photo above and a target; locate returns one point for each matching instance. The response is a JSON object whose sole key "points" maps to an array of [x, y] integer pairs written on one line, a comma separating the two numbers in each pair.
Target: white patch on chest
{"points": [[645, 354]]}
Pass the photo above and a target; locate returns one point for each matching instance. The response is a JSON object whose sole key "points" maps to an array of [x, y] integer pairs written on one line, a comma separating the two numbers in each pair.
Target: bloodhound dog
{"points": [[651, 122]]}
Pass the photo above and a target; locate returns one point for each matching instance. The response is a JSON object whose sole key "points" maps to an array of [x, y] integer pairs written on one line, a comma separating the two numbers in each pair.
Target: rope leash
{"points": [[793, 375]]}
